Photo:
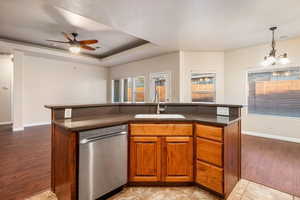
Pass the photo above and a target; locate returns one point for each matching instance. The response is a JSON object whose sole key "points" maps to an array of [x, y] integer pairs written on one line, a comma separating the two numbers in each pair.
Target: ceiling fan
{"points": [[76, 45]]}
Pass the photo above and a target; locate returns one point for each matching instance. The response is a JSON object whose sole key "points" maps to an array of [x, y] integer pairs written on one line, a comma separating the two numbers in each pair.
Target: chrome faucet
{"points": [[157, 97]]}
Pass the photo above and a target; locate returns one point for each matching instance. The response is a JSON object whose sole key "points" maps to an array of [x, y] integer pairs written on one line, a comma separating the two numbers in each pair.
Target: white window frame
{"points": [[134, 87], [167, 76], [259, 69], [190, 84], [112, 90], [132, 84], [122, 91]]}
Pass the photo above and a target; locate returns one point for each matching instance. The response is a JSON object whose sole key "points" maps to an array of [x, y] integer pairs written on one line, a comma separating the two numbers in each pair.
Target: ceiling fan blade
{"points": [[56, 41], [67, 36], [84, 42], [87, 47]]}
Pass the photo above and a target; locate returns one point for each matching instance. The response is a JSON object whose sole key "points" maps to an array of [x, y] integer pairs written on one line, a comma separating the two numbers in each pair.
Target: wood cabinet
{"points": [[210, 176], [155, 157], [160, 151], [161, 129], [177, 159], [209, 132], [218, 157], [145, 159], [210, 151], [209, 169]]}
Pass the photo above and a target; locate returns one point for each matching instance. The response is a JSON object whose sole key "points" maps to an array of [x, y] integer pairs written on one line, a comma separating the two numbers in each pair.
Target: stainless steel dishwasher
{"points": [[102, 161]]}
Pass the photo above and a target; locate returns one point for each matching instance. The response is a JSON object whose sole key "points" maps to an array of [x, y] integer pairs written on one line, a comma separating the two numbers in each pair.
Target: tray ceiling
{"points": [[197, 25]]}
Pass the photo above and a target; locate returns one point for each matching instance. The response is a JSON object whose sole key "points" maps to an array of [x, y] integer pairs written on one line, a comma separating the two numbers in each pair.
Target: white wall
{"points": [[50, 81], [202, 62], [237, 62], [6, 72], [168, 62]]}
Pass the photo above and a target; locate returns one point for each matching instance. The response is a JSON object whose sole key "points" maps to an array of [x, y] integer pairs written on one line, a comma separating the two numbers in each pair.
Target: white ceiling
{"points": [[194, 24], [170, 24]]}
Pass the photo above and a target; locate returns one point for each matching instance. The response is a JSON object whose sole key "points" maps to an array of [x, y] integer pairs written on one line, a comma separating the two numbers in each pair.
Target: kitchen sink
{"points": [[159, 116]]}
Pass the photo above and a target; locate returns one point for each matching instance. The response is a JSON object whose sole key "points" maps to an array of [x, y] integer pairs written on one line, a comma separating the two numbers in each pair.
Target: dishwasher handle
{"points": [[87, 140]]}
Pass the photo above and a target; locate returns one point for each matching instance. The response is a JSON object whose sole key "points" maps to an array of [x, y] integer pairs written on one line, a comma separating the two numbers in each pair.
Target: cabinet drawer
{"points": [[210, 151], [210, 176], [209, 132], [161, 129]]}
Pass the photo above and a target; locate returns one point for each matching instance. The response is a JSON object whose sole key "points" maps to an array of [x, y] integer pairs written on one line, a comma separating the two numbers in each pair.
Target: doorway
{"points": [[162, 86], [6, 87]]}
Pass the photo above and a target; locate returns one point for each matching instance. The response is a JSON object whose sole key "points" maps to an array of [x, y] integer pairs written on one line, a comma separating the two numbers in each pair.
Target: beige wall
{"points": [[202, 62], [168, 62], [18, 90], [6, 72], [50, 81], [237, 62]]}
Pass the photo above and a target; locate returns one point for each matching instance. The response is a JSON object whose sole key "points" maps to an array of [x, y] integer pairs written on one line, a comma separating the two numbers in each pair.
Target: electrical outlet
{"points": [[224, 111], [68, 113]]}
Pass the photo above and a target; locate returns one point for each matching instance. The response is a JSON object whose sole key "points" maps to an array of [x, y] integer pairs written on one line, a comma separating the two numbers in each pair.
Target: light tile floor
{"points": [[245, 190]]}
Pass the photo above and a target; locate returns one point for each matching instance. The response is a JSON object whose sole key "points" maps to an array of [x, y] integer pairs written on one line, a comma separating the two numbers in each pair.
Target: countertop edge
{"points": [[114, 123], [139, 104]]}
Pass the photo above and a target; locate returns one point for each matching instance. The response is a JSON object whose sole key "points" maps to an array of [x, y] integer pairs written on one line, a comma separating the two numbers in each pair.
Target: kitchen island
{"points": [[201, 149]]}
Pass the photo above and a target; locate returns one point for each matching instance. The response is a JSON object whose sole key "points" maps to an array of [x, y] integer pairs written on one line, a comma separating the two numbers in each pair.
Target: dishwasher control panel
{"points": [[102, 131]]}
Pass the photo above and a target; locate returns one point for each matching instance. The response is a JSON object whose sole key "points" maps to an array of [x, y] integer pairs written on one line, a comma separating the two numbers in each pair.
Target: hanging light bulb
{"points": [[271, 60], [265, 62], [284, 59], [74, 49], [268, 61]]}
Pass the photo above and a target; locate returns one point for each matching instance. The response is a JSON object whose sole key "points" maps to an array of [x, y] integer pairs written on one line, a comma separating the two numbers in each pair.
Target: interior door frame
{"points": [[167, 76], [11, 87]]}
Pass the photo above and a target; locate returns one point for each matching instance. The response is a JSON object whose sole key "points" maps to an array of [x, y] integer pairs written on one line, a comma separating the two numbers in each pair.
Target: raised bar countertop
{"points": [[93, 122], [92, 116], [59, 106]]}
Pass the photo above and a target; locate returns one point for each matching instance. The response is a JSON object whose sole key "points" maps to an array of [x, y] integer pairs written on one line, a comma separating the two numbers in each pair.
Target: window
{"points": [[160, 87], [203, 87], [160, 82], [275, 92], [139, 89], [116, 90], [128, 89]]}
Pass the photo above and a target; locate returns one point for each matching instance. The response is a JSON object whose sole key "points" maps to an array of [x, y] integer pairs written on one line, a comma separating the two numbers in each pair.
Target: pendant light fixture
{"points": [[272, 59]]}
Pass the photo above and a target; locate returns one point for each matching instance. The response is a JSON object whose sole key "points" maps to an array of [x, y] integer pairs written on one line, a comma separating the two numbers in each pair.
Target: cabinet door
{"points": [[145, 159], [210, 176], [177, 159]]}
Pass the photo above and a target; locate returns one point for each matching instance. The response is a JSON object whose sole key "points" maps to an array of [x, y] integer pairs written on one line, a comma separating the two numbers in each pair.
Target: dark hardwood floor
{"points": [[272, 163], [25, 162]]}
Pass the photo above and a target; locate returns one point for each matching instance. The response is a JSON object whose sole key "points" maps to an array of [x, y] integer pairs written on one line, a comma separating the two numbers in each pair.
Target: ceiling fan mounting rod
{"points": [[74, 35], [273, 51]]}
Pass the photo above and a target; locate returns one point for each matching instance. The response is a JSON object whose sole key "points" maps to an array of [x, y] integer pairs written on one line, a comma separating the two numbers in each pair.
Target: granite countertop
{"points": [[61, 106], [93, 122]]}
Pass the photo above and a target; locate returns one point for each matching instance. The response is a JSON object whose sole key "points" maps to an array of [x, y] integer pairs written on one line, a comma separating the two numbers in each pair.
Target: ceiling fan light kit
{"points": [[272, 59], [74, 49], [76, 45]]}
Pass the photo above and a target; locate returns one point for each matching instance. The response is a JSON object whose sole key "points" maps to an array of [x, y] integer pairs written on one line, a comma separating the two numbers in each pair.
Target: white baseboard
{"points": [[5, 123], [37, 124], [18, 129], [276, 137]]}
